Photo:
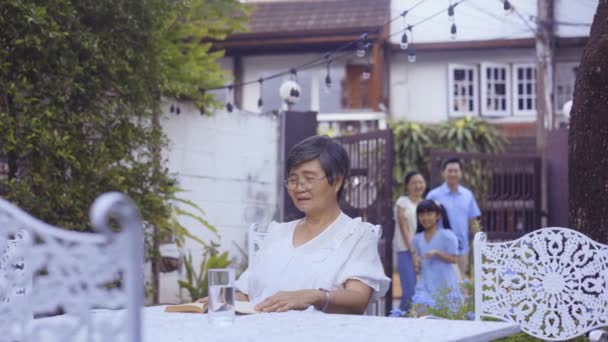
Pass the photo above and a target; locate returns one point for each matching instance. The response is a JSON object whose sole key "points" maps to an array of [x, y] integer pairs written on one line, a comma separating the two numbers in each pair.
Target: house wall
{"points": [[419, 91], [227, 164]]}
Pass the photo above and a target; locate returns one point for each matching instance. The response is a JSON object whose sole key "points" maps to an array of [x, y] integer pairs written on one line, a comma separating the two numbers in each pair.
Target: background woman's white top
{"points": [[347, 249], [404, 202]]}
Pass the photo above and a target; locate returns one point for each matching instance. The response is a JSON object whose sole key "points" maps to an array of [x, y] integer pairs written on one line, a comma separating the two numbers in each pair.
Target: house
{"points": [[487, 70]]}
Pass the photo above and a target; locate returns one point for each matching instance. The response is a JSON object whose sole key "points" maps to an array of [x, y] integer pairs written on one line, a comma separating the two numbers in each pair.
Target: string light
{"points": [[506, 5], [411, 50], [451, 12], [411, 54], [362, 45], [404, 42], [229, 106], [453, 31], [202, 110], [366, 72], [172, 109], [260, 101], [327, 74]]}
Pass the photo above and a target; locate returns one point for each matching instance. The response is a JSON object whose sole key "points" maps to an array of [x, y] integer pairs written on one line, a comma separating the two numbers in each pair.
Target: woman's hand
{"points": [[292, 300]]}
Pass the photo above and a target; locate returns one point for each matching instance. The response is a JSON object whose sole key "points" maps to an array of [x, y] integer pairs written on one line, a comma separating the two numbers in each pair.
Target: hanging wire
{"points": [[424, 20], [362, 44]]}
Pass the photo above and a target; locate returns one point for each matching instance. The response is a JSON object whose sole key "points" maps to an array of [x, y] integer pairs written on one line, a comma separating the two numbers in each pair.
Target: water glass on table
{"points": [[221, 296]]}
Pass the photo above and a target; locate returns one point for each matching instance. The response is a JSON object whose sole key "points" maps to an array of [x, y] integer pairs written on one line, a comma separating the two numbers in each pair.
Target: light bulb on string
{"points": [[172, 109], [367, 72], [411, 49], [327, 73], [451, 13], [506, 5], [202, 110], [178, 111], [360, 49], [453, 31], [404, 43], [260, 101], [229, 106], [293, 75], [411, 54]]}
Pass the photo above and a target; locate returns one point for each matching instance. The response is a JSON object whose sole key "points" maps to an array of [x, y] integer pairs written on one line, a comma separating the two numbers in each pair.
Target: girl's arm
{"points": [[405, 230], [449, 258]]}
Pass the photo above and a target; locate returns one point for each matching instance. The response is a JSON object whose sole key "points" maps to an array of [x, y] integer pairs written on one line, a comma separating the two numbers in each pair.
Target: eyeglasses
{"points": [[305, 183]]}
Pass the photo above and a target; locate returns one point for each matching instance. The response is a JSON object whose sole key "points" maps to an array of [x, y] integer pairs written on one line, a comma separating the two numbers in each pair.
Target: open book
{"points": [[240, 307]]}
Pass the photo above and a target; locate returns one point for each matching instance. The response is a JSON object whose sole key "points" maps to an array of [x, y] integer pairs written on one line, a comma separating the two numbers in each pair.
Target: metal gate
{"points": [[507, 188], [368, 190]]}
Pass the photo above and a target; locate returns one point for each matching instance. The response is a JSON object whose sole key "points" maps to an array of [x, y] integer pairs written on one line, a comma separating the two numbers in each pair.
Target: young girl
{"points": [[437, 249]]}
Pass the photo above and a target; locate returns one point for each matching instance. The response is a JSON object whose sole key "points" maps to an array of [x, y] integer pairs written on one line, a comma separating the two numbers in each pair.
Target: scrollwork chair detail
{"points": [[553, 282], [50, 270]]}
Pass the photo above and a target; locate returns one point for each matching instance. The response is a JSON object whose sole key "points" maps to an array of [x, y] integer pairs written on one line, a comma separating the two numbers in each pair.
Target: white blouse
{"points": [[347, 249], [404, 203]]}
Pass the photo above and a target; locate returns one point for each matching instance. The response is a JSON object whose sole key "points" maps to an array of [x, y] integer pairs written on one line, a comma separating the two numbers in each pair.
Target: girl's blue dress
{"points": [[436, 275]]}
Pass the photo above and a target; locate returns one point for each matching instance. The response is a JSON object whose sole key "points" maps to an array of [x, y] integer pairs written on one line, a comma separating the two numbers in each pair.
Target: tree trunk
{"points": [[588, 153]]}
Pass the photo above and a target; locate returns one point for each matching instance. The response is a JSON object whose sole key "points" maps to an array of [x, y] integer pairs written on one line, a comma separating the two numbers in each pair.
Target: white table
{"points": [[159, 326]]}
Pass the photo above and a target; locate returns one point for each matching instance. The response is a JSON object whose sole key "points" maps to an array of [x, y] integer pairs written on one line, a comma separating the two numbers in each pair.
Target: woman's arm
{"points": [[353, 299], [449, 258], [405, 229]]}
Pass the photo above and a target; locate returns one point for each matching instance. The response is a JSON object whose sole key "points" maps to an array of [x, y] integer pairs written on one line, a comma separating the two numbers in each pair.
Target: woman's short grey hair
{"points": [[330, 153]]}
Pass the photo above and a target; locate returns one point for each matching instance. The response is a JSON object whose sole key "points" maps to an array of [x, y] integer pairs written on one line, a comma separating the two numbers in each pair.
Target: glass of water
{"points": [[221, 296]]}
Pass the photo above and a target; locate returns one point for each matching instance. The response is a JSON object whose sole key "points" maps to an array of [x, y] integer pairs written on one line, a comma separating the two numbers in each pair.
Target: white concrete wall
{"points": [[227, 164]]}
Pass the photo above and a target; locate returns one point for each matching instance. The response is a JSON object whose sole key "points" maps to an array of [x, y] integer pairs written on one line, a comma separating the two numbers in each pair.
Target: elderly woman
{"points": [[325, 261]]}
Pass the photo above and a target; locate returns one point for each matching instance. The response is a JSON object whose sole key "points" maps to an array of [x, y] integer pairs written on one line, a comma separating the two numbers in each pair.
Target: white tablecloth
{"points": [[159, 326]]}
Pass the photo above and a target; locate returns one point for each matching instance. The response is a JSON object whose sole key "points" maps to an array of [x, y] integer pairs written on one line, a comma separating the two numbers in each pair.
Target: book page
{"points": [[241, 307]]}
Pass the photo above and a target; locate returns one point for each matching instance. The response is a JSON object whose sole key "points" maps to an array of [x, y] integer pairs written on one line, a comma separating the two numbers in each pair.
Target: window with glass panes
{"points": [[524, 89], [463, 90], [495, 89]]}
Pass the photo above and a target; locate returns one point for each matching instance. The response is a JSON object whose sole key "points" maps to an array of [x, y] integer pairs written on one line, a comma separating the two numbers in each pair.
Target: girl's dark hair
{"points": [[432, 206], [408, 177]]}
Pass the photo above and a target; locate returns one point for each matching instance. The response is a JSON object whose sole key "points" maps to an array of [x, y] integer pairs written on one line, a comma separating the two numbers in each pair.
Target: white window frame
{"points": [[514, 83], [485, 111], [475, 95]]}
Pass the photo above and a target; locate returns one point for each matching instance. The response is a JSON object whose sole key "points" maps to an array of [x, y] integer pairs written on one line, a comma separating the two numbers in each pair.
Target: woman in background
{"points": [[405, 229]]}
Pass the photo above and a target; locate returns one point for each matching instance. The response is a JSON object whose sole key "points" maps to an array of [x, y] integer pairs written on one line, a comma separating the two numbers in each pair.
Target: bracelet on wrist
{"points": [[326, 304]]}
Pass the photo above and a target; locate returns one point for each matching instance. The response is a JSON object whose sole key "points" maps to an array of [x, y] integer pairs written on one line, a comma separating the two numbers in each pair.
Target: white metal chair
{"points": [[46, 270], [257, 233], [553, 282]]}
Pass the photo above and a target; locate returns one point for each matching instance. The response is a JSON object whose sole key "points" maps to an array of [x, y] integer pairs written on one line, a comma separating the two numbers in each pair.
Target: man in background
{"points": [[461, 207]]}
